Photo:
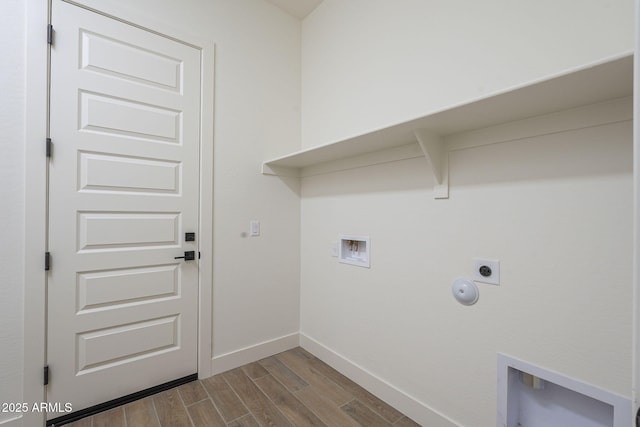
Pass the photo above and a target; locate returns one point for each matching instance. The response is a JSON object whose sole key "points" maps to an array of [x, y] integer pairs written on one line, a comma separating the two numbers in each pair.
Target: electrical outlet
{"points": [[486, 271]]}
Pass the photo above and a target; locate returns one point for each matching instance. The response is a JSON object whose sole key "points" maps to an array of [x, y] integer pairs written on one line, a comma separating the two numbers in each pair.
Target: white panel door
{"points": [[123, 190]]}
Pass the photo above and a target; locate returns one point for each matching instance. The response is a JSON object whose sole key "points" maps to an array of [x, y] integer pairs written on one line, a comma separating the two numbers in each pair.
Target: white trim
{"points": [[408, 405], [35, 197], [563, 91], [635, 388], [205, 240], [36, 120], [587, 116], [621, 405], [13, 422], [145, 21], [599, 114], [237, 358]]}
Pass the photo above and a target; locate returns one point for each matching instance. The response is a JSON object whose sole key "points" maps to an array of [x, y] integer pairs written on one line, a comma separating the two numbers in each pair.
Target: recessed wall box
{"points": [[529, 395], [354, 250]]}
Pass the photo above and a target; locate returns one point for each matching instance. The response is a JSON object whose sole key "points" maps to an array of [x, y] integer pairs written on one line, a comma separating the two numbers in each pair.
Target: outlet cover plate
{"points": [[493, 264]]}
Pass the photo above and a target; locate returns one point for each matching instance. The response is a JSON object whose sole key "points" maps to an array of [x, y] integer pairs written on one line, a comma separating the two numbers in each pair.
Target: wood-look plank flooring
{"points": [[292, 388]]}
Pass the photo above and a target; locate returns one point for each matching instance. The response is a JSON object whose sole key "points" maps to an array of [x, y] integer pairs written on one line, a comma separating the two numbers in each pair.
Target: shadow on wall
{"points": [[598, 151], [293, 183]]}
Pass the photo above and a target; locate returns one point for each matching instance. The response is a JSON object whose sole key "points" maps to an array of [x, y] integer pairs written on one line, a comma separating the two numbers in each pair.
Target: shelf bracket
{"points": [[432, 146]]}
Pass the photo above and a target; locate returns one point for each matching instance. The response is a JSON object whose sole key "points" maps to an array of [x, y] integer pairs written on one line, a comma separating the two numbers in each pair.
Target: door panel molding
{"points": [[37, 57], [124, 348]]}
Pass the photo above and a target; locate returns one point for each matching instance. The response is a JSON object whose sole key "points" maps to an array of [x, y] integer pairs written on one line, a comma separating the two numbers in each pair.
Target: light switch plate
{"points": [[254, 228]]}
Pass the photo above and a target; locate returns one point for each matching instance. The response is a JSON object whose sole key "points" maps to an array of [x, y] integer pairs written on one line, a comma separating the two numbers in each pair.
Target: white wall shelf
{"points": [[427, 136]]}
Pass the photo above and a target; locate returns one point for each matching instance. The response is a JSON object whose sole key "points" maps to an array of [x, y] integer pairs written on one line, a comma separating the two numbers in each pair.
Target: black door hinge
{"points": [[49, 144], [46, 375], [47, 261], [50, 34], [198, 255]]}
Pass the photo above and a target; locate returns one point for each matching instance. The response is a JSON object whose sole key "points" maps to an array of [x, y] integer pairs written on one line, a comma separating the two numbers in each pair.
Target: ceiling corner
{"points": [[298, 8]]}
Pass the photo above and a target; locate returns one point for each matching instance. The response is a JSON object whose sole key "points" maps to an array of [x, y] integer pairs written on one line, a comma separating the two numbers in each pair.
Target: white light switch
{"points": [[254, 227]]}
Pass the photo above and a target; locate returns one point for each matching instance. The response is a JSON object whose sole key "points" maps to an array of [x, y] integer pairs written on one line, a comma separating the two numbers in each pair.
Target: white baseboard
{"points": [[406, 404], [417, 411], [237, 358], [13, 422], [26, 419]]}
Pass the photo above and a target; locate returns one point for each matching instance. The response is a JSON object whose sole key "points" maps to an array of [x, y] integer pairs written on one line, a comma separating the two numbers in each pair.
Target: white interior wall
{"points": [[550, 208], [368, 64], [555, 210], [256, 279], [12, 104], [256, 115]]}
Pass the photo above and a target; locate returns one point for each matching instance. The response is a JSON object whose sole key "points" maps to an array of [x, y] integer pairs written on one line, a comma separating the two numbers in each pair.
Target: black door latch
{"points": [[188, 256]]}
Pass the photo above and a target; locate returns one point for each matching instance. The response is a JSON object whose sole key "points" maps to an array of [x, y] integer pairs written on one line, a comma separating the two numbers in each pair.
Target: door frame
{"points": [[635, 361], [38, 13]]}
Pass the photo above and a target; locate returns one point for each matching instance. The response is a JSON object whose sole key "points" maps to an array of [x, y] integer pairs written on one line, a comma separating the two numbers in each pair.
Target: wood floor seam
{"points": [[218, 409], [185, 407], [236, 394], [155, 411], [292, 388], [267, 396], [346, 403], [195, 403], [315, 412], [285, 404], [235, 419]]}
